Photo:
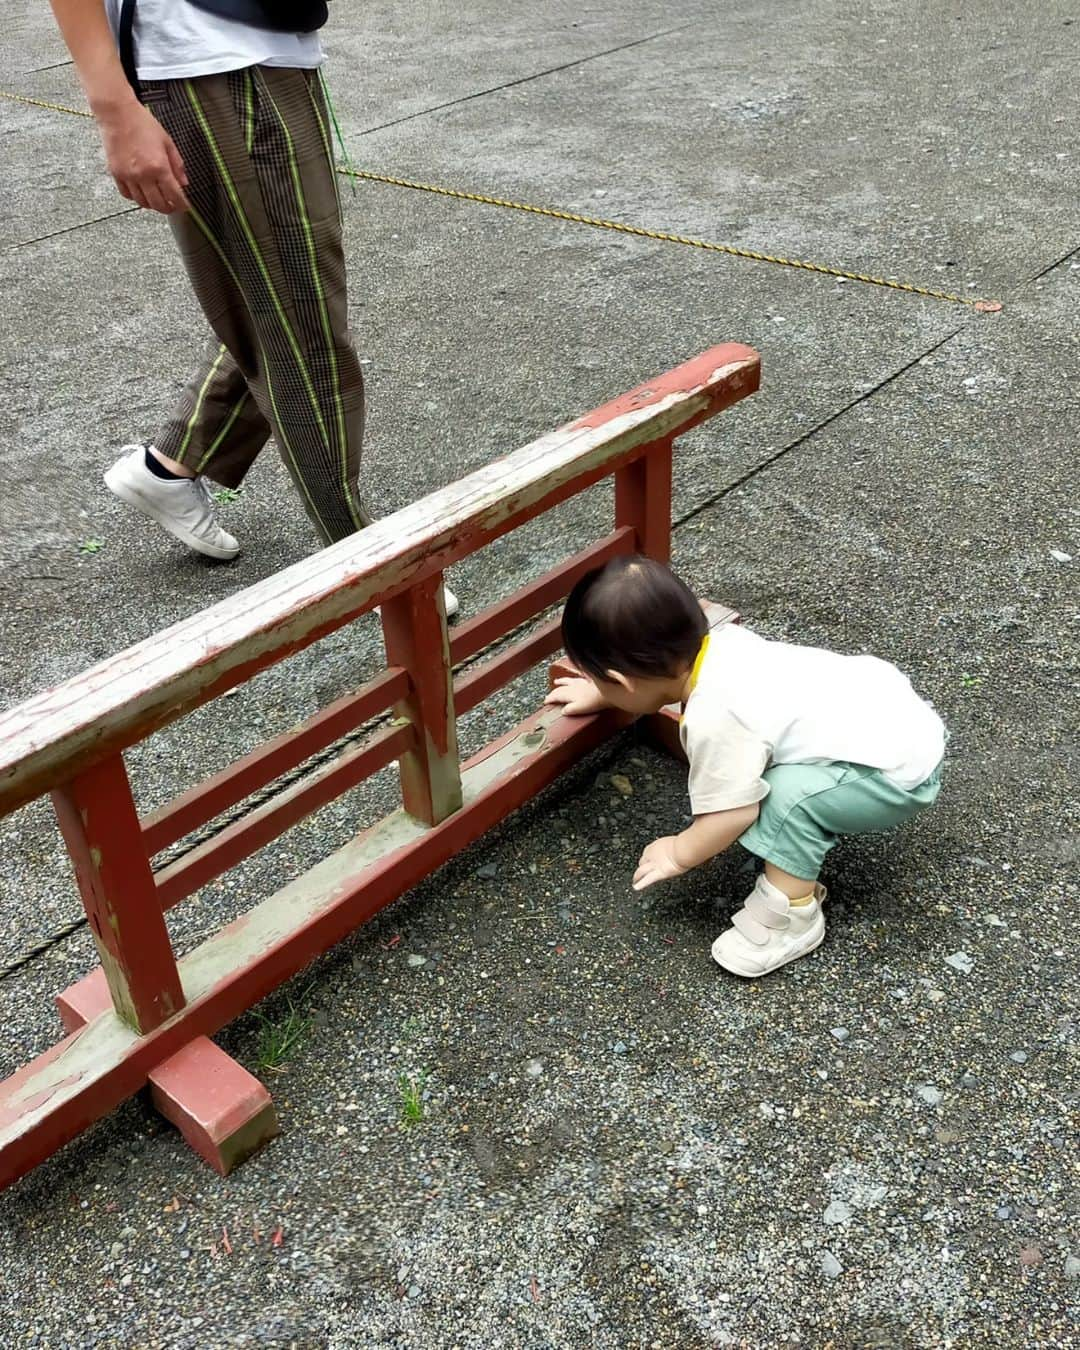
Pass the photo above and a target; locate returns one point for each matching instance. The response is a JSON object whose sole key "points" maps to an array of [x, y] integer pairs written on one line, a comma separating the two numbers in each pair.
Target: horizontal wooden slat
{"points": [[481, 683], [59, 1094], [207, 800], [502, 618], [260, 826], [48, 738]]}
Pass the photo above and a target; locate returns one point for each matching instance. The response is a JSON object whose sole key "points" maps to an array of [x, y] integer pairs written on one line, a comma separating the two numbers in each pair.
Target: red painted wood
{"points": [[661, 730], [399, 563], [83, 1001], [122, 700], [223, 1112], [479, 684], [207, 800], [101, 829], [697, 374], [34, 1134], [259, 827], [502, 618], [562, 669], [416, 637], [643, 500]]}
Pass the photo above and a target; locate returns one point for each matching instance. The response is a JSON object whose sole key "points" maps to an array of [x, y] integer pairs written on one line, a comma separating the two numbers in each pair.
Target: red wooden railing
{"points": [[70, 742]]}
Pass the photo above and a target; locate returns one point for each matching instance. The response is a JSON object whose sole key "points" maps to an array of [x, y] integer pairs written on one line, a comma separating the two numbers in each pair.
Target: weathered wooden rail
{"points": [[144, 1016]]}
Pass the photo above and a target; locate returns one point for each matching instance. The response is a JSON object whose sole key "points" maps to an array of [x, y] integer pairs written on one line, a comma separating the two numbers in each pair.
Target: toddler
{"points": [[789, 747]]}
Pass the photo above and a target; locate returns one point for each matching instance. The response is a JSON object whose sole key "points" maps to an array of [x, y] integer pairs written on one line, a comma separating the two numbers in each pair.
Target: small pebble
{"points": [[1072, 1267], [926, 1092], [961, 961], [1003, 1212], [1059, 556], [1019, 1057], [839, 1033], [415, 960], [619, 1047], [837, 1212], [830, 1266], [534, 1068]]}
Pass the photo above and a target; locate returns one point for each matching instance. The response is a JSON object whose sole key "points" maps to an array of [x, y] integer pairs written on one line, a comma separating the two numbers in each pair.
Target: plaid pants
{"points": [[263, 249]]}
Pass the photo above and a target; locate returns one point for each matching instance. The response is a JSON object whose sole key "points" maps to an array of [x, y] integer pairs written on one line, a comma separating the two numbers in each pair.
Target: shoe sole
{"points": [[133, 497], [757, 974]]}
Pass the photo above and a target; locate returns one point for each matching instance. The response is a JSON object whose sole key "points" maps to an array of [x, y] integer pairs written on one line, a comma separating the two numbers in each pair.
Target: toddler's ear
{"points": [[617, 677]]}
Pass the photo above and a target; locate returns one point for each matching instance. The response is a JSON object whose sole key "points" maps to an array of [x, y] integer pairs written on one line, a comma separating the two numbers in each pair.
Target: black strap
{"points": [[126, 38], [282, 16]]}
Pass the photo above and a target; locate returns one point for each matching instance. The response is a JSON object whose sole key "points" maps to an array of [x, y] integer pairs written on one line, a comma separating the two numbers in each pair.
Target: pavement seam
{"points": [[808, 435], [55, 65], [1050, 267], [69, 229], [524, 79]]}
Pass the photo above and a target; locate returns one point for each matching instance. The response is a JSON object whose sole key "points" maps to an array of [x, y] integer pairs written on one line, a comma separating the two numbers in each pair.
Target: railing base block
{"points": [[223, 1112], [84, 1001]]}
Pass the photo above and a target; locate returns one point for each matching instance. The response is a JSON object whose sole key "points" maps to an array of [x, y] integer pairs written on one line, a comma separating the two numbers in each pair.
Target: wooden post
{"points": [[414, 628], [643, 499], [101, 829]]}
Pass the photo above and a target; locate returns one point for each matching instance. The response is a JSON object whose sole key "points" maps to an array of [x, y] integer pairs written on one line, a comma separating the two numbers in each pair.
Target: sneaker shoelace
{"points": [[208, 527]]}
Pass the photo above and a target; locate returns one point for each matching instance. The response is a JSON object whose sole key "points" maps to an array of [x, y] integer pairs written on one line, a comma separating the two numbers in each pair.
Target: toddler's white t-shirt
{"points": [[178, 41], [758, 703]]}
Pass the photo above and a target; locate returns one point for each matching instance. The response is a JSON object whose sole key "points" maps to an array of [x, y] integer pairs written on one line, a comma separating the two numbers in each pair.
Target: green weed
{"points": [[411, 1095], [280, 1037]]}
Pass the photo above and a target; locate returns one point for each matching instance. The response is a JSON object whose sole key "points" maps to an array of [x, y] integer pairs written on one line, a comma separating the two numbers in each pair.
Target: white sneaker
{"points": [[450, 601], [769, 931], [183, 506]]}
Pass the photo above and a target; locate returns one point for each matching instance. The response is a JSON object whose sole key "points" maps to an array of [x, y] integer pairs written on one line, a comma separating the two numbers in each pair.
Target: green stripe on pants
{"points": [[263, 250]]}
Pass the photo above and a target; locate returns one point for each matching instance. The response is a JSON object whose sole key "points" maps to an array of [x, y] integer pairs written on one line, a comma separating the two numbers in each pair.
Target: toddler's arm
{"points": [[708, 835]]}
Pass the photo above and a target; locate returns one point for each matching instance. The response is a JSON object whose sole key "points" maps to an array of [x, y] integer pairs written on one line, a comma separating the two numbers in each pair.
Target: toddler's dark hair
{"points": [[634, 616]]}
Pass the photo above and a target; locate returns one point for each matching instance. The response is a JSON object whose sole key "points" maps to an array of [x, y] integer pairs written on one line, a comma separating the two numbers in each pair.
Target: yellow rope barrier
{"points": [[596, 222]]}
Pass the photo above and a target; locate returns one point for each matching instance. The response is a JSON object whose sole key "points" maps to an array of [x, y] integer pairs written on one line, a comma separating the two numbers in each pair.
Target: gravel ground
{"points": [[522, 1108]]}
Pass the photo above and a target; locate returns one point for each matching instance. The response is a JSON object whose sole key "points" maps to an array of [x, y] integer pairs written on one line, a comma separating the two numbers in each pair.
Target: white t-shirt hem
{"points": [[909, 781], [732, 802], [222, 66]]}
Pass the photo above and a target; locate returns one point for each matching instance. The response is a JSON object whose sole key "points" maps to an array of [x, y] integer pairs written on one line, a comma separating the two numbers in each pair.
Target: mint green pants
{"points": [[810, 806]]}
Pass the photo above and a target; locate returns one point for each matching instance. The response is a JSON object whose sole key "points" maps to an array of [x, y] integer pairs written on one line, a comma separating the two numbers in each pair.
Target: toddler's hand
{"points": [[578, 696], [657, 864]]}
